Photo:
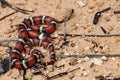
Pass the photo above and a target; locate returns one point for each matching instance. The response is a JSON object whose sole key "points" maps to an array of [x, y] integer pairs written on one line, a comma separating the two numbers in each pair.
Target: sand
{"points": [[80, 23]]}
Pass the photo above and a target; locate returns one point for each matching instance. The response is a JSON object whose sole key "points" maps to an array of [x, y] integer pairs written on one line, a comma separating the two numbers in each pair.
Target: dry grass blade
{"points": [[5, 42], [7, 15], [91, 35], [88, 55], [4, 3], [62, 74]]}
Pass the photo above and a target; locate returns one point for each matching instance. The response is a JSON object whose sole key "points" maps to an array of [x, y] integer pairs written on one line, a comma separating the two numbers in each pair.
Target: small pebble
{"points": [[91, 6], [58, 40], [104, 58], [82, 68], [107, 74], [50, 68], [95, 70], [87, 48], [55, 34], [43, 51], [73, 61], [105, 47], [97, 61], [110, 28], [113, 58], [107, 18], [79, 61], [77, 25], [118, 64], [72, 44], [87, 58], [70, 75], [81, 4], [85, 74]]}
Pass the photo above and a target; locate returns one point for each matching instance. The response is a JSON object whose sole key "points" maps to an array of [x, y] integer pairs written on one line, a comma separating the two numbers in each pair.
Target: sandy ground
{"points": [[80, 23]]}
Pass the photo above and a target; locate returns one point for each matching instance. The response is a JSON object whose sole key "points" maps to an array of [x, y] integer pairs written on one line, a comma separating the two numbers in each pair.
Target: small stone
{"points": [[97, 61], [91, 6], [81, 4], [85, 74], [107, 74], [47, 72], [77, 25], [105, 47], [90, 11], [110, 28], [60, 38], [73, 61], [82, 68], [95, 70], [113, 58], [55, 35], [87, 58], [70, 75], [50, 68], [87, 48], [72, 44], [118, 64], [60, 63], [79, 61], [107, 18], [43, 51], [56, 42], [104, 58]]}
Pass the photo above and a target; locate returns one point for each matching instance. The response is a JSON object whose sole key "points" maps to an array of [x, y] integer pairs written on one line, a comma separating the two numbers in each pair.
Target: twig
{"points": [[92, 41], [91, 35], [64, 30], [106, 9], [98, 14], [5, 42], [104, 31], [8, 40], [62, 74], [94, 35], [96, 17], [8, 15], [65, 56], [67, 18], [106, 78], [117, 12], [64, 35], [5, 3], [88, 55], [85, 35]]}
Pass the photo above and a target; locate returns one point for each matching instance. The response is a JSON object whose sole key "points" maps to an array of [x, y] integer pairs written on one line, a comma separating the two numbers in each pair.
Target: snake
{"points": [[31, 33]]}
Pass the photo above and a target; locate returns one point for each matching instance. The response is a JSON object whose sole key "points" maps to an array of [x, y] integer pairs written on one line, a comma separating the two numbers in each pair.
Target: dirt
{"points": [[80, 23]]}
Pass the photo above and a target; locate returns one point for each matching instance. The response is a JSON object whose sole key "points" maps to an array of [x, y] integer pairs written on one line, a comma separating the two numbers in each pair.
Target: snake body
{"points": [[32, 34]]}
